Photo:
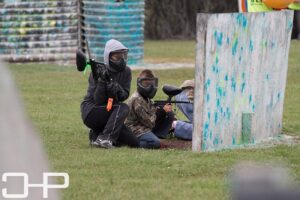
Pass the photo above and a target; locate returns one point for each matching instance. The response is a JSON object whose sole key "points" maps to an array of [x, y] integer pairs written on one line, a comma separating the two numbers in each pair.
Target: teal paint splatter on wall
{"points": [[228, 113], [267, 77], [243, 87], [233, 84], [207, 84], [251, 46], [216, 117], [233, 140], [203, 146], [219, 91], [218, 103], [253, 108], [219, 38], [290, 25], [216, 141], [206, 126], [216, 69], [273, 45], [278, 96], [242, 20], [207, 97], [226, 77], [234, 46]]}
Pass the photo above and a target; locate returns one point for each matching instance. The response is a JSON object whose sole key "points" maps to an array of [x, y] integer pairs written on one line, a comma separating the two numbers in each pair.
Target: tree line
{"points": [[170, 19]]}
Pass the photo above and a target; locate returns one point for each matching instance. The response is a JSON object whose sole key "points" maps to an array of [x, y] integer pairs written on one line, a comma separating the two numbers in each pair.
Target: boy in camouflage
{"points": [[147, 121]]}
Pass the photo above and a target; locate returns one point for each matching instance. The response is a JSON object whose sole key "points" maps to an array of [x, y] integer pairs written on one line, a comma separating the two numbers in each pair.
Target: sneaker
{"points": [[92, 136], [102, 143]]}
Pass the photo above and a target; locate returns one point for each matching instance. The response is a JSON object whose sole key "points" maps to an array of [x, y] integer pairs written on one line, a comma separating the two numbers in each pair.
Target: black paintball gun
{"points": [[99, 70], [171, 91]]}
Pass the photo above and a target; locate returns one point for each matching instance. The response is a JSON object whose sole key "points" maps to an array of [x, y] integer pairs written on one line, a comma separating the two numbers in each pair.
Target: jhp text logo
{"points": [[26, 185]]}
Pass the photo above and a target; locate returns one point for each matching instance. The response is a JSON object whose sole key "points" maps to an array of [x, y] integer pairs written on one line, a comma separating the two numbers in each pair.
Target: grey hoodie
{"points": [[96, 92], [112, 45]]}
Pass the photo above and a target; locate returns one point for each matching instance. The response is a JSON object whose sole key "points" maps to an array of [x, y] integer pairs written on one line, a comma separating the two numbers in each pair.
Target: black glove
{"points": [[112, 88]]}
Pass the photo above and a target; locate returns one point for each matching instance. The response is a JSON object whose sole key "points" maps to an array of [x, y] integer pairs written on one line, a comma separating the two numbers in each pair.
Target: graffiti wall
{"points": [[38, 30], [44, 31], [241, 71], [121, 20]]}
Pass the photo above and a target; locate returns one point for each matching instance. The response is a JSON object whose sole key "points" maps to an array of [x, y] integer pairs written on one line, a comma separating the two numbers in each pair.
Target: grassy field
{"points": [[52, 96]]}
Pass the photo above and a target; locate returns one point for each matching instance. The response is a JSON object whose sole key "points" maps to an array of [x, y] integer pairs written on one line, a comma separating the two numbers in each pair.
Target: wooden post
{"points": [[199, 82]]}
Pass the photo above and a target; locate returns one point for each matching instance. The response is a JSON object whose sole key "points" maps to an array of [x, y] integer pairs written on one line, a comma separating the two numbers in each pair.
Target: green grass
{"points": [[291, 114], [169, 51], [52, 97]]}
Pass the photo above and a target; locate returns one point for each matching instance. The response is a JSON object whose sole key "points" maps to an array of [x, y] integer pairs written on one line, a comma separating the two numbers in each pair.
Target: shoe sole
{"points": [[104, 145]]}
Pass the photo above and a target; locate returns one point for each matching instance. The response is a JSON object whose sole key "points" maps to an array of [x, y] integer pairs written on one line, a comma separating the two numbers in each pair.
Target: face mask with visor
{"points": [[147, 87], [118, 60]]}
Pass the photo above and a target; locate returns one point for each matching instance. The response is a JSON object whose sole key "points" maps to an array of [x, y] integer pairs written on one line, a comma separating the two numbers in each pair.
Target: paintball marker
{"points": [[171, 91], [99, 71]]}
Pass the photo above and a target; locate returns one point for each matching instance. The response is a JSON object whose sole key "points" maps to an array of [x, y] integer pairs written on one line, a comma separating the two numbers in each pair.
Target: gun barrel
{"points": [[163, 102], [80, 60]]}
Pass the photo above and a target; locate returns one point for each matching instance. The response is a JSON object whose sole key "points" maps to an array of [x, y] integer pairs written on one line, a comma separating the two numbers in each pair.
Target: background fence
{"points": [[121, 20], [45, 31], [38, 31]]}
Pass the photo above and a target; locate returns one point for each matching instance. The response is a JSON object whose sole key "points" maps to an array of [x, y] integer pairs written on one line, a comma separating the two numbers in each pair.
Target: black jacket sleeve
{"points": [[124, 86], [98, 91]]}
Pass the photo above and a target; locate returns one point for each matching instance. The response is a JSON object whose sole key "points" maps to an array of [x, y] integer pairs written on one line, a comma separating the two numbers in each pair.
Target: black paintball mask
{"points": [[147, 87], [118, 60]]}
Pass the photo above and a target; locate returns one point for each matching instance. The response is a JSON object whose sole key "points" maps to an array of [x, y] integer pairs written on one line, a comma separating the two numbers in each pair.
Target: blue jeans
{"points": [[183, 130], [149, 141], [186, 108]]}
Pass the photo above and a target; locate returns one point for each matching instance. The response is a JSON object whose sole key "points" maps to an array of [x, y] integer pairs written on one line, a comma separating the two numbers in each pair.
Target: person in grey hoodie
{"points": [[107, 125]]}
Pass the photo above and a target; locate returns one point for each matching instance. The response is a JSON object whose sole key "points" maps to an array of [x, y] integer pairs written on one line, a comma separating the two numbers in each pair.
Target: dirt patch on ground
{"points": [[283, 139], [176, 144]]}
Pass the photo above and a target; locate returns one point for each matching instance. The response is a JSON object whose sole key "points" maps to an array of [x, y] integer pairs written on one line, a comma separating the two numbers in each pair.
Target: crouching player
{"points": [[147, 121]]}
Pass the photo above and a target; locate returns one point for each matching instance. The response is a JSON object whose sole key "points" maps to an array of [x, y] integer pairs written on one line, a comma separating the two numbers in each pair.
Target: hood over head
{"points": [[111, 46]]}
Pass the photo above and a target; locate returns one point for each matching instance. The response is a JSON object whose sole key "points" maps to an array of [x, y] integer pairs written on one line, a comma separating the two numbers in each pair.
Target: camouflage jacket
{"points": [[142, 114]]}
